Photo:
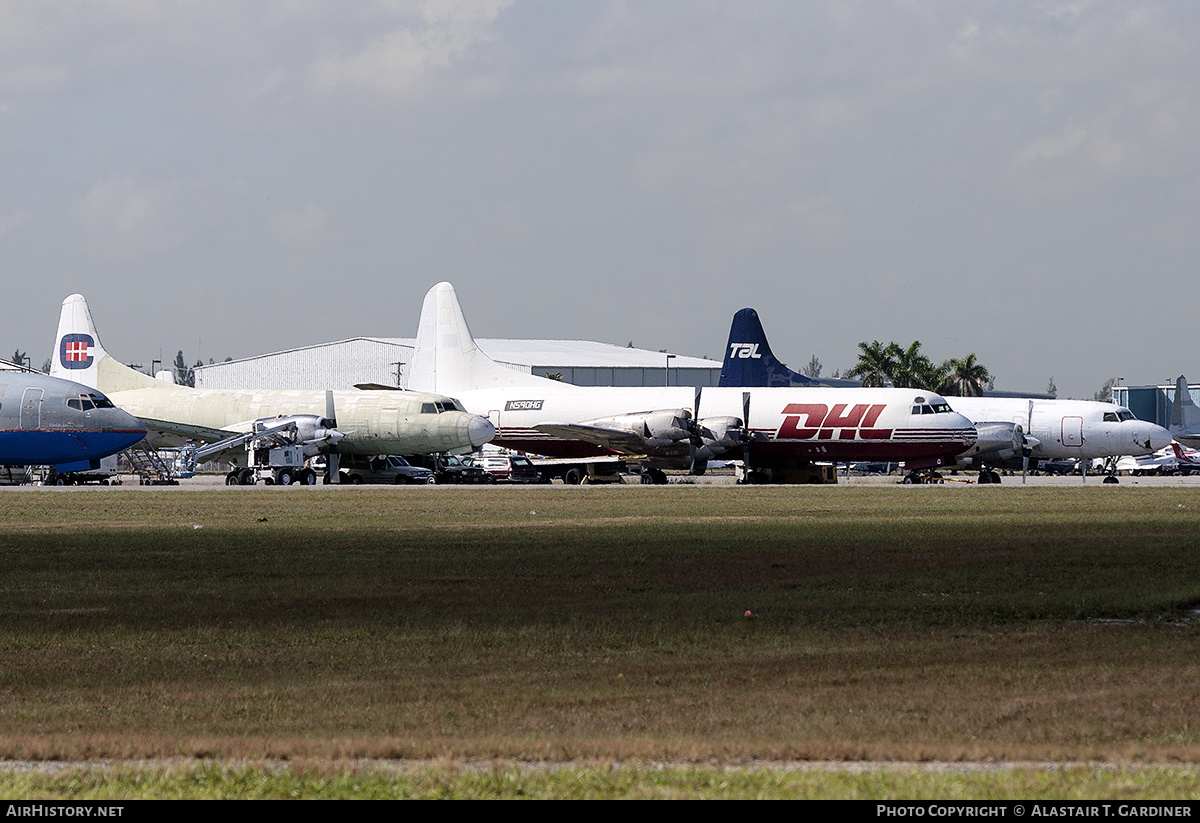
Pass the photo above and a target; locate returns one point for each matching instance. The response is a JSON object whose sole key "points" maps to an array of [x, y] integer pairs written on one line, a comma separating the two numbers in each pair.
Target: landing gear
{"points": [[656, 477], [988, 476], [1110, 470]]}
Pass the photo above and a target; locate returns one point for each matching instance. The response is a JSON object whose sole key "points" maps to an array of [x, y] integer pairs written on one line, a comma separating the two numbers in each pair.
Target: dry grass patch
{"points": [[557, 624]]}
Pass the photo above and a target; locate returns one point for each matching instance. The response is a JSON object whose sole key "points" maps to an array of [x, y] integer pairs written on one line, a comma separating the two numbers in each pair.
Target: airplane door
{"points": [[1072, 431], [494, 419], [31, 409]]}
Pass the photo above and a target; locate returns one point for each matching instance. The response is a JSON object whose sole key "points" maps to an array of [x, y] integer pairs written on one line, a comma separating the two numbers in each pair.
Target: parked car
{"points": [[449, 469], [508, 468], [383, 468]]}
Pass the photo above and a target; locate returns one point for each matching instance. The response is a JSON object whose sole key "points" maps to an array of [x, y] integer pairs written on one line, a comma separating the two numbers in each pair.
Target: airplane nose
{"points": [[1158, 438], [481, 431]]}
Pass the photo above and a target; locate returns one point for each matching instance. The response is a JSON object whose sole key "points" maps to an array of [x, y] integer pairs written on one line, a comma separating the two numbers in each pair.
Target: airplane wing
{"points": [[621, 442], [171, 433]]}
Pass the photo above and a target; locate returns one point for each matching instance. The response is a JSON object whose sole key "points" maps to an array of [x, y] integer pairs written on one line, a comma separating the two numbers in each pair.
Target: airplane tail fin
{"points": [[748, 358], [1185, 415], [447, 360], [79, 355]]}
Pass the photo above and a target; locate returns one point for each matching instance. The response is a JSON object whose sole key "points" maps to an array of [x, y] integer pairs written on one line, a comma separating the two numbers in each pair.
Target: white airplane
{"points": [[348, 422], [680, 427], [1013, 432], [1162, 461], [1185, 415]]}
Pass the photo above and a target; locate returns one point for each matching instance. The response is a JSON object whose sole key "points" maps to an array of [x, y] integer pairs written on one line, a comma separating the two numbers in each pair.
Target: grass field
{"points": [[593, 625]]}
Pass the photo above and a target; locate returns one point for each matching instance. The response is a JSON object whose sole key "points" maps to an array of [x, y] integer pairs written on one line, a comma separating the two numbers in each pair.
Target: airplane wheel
{"points": [[1111, 479], [995, 477]]}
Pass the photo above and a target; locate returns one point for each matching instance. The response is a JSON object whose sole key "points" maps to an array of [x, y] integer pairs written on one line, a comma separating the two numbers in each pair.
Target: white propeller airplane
{"points": [[347, 422], [681, 427], [1014, 432]]}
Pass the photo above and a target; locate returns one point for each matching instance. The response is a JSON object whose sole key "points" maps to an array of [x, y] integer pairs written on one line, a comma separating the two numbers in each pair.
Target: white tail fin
{"points": [[79, 356], [447, 360]]}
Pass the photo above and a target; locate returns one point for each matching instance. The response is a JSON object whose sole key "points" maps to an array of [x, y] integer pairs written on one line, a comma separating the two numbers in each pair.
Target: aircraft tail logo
{"points": [[74, 351], [79, 355], [748, 358]]}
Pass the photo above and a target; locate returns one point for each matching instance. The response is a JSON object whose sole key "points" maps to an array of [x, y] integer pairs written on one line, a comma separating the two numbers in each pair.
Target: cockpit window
{"points": [[428, 408], [931, 408], [101, 401], [83, 402], [1125, 414]]}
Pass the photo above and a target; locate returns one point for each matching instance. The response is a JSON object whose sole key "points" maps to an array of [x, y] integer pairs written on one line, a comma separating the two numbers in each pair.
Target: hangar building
{"points": [[385, 360], [1152, 403]]}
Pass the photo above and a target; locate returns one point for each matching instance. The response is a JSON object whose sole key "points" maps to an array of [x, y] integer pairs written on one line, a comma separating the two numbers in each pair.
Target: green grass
{"points": [[577, 624]]}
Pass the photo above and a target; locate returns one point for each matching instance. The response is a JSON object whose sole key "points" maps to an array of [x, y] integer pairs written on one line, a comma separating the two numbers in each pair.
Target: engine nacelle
{"points": [[719, 435], [313, 433], [658, 429], [996, 442]]}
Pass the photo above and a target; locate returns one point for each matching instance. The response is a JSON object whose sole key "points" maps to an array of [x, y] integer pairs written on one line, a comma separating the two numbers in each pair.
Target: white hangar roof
{"points": [[343, 363]]}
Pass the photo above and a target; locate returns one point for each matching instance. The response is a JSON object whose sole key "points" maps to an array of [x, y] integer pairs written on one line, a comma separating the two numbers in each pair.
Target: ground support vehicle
{"points": [[105, 475], [450, 470], [575, 471], [799, 474], [508, 468], [273, 453], [383, 468]]}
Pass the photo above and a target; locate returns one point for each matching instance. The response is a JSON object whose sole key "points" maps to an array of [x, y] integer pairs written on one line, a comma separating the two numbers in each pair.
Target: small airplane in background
{"points": [[771, 430], [1013, 432], [348, 422], [45, 421]]}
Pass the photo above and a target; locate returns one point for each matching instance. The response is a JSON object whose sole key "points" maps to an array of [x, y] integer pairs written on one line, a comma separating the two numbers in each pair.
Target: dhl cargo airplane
{"points": [[1014, 432], [769, 429], [350, 422]]}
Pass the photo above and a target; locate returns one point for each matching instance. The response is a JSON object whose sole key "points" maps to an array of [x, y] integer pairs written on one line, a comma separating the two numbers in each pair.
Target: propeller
{"points": [[694, 442], [748, 437], [332, 462], [1025, 447]]}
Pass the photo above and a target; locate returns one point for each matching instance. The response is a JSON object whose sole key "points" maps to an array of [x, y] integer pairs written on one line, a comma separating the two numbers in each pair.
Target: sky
{"points": [[1020, 180]]}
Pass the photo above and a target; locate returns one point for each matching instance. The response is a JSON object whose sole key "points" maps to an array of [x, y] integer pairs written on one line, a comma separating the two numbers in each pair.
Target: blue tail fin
{"points": [[748, 358]]}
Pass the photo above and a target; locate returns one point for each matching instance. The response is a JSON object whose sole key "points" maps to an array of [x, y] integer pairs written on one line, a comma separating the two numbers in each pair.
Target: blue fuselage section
{"points": [[45, 421]]}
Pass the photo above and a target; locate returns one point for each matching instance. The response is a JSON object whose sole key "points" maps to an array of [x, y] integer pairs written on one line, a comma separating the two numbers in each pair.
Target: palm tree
{"points": [[965, 377], [913, 370], [876, 363]]}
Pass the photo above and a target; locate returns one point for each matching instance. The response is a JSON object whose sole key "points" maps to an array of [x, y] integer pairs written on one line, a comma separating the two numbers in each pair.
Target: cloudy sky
{"points": [[1014, 179]]}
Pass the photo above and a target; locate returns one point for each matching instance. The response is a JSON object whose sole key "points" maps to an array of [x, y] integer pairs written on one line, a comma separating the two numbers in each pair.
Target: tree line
{"points": [[909, 368]]}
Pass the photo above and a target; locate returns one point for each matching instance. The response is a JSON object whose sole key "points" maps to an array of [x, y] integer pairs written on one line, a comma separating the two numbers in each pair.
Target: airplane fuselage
{"points": [[374, 422], [48, 421], [1081, 429], [787, 423]]}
